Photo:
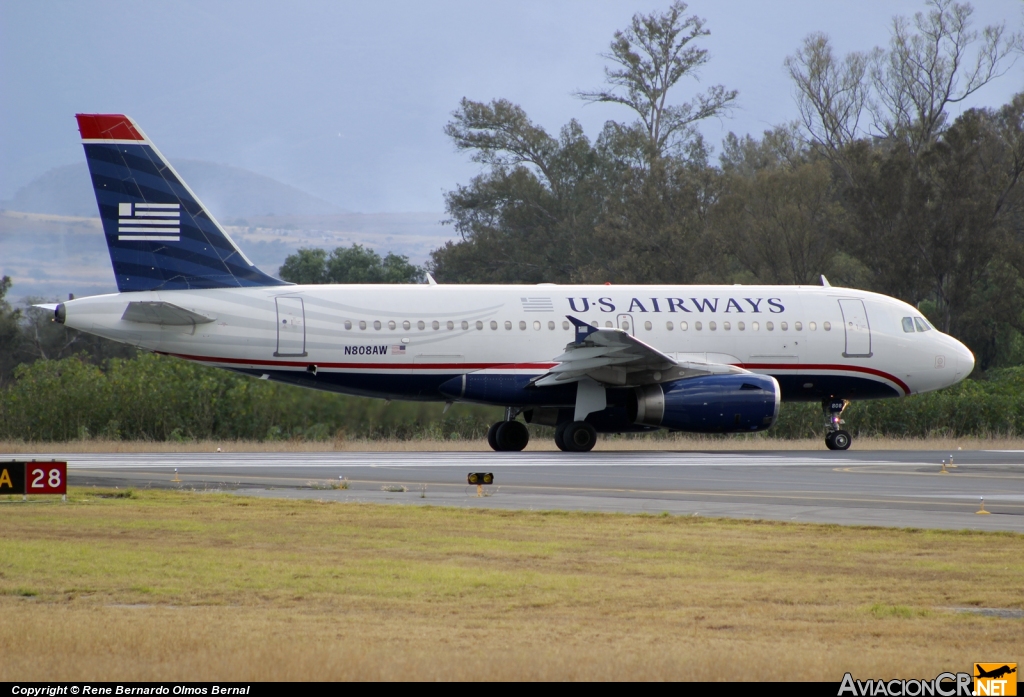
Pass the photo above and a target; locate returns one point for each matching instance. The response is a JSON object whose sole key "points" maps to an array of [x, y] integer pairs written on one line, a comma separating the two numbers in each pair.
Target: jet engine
{"points": [[708, 404]]}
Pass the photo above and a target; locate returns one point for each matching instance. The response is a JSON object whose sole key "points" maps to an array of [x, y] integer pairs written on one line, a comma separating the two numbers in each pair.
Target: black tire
{"points": [[829, 442], [559, 433], [491, 433], [512, 436], [841, 440], [579, 437]]}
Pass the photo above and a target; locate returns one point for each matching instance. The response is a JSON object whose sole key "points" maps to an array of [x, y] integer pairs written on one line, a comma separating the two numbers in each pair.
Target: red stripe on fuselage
{"points": [[106, 127], [369, 366], [462, 367], [810, 367]]}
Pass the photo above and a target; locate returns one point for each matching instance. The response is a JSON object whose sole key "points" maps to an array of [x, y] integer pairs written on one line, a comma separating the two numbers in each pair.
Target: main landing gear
{"points": [[836, 438], [575, 436], [508, 435]]}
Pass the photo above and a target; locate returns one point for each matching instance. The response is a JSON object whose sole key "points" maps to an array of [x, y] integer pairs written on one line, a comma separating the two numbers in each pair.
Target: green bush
{"points": [[158, 398]]}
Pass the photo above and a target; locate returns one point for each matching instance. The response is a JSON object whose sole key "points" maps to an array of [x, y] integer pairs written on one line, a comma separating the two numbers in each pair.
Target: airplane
{"points": [[585, 359]]}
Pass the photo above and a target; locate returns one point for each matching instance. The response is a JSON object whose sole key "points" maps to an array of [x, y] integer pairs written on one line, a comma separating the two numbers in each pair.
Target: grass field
{"points": [[161, 585], [679, 442]]}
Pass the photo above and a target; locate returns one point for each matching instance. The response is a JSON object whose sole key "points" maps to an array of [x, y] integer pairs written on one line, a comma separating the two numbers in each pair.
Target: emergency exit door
{"points": [[858, 330], [291, 327]]}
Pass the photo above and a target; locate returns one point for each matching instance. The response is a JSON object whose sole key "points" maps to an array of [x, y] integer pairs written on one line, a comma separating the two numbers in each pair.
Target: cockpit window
{"points": [[922, 326], [908, 324]]}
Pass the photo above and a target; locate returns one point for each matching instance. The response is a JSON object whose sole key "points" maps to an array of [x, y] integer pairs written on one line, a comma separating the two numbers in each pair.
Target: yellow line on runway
{"points": [[673, 492], [874, 469]]}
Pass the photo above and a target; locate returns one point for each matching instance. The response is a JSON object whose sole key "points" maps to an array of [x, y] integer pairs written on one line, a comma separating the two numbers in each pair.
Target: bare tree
{"points": [[650, 57], [933, 61], [929, 66], [832, 94]]}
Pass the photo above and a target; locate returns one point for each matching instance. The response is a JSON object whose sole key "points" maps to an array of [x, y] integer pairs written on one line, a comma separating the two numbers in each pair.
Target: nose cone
{"points": [[964, 361]]}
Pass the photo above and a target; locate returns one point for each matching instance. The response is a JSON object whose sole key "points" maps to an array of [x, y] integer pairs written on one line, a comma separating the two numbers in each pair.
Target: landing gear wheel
{"points": [[491, 435], [579, 437], [511, 436], [560, 435], [840, 440]]}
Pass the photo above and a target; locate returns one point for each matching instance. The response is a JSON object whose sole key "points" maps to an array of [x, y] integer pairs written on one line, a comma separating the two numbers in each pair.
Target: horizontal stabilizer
{"points": [[156, 312]]}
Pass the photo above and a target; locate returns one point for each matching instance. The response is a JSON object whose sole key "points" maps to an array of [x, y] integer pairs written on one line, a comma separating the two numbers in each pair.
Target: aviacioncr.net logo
{"points": [[943, 685]]}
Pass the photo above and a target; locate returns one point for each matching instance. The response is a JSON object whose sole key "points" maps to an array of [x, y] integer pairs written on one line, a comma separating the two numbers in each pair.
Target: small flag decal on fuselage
{"points": [[149, 222]]}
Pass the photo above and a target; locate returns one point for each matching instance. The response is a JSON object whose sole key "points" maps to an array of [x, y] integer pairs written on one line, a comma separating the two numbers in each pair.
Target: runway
{"points": [[886, 488]]}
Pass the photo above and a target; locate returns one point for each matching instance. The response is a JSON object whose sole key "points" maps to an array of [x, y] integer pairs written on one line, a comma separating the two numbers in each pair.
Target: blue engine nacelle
{"points": [[708, 404]]}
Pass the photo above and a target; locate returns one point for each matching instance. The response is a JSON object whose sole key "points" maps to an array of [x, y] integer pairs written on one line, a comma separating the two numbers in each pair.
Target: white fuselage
{"points": [[400, 341]]}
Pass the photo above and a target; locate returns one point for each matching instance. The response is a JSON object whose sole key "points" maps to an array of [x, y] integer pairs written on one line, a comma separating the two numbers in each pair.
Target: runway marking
{"points": [[967, 473], [804, 496]]}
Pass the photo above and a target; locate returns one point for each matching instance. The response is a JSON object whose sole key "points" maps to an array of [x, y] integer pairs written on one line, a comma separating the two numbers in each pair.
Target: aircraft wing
{"points": [[615, 357]]}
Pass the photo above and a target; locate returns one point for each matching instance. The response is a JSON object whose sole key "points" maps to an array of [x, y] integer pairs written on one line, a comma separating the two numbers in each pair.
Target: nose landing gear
{"points": [[836, 438]]}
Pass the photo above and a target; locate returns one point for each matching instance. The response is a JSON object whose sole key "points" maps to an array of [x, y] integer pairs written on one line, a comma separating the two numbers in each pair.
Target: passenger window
{"points": [[551, 325], [494, 325], [391, 324], [827, 326], [565, 326], [362, 324], [769, 326], [908, 325], [712, 326], [465, 324], [450, 325], [536, 325], [508, 325], [648, 326], [406, 324], [670, 326], [741, 326], [726, 326], [754, 326], [348, 324], [812, 326], [922, 326], [376, 324], [421, 325], [479, 324], [608, 324], [625, 325], [784, 326], [697, 326], [798, 326], [683, 326]]}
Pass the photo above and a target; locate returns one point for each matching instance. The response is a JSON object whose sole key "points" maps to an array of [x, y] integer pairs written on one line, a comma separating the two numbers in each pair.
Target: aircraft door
{"points": [[858, 331], [626, 322], [291, 327]]}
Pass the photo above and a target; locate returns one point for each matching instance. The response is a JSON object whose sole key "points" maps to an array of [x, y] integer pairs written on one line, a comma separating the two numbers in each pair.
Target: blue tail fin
{"points": [[159, 235]]}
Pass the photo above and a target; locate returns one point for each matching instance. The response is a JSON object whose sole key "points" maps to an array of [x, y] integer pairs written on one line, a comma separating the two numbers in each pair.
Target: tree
{"points": [[932, 62], [529, 218], [779, 211], [355, 264], [926, 71], [649, 58], [10, 333]]}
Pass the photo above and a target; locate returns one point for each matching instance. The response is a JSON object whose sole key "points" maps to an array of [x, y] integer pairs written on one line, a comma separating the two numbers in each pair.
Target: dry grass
{"points": [[674, 443], [172, 585]]}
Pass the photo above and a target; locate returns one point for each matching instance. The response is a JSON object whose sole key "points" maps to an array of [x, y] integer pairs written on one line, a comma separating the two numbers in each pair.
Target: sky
{"points": [[347, 100]]}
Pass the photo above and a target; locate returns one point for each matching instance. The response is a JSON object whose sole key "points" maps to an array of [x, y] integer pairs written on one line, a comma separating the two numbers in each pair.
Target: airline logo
{"points": [[537, 305], [149, 222]]}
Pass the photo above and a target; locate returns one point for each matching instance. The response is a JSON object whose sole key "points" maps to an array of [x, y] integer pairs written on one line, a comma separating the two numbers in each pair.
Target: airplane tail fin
{"points": [[159, 235]]}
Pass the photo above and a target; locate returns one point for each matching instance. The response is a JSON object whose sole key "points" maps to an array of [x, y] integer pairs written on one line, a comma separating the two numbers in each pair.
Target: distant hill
{"points": [[229, 192]]}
